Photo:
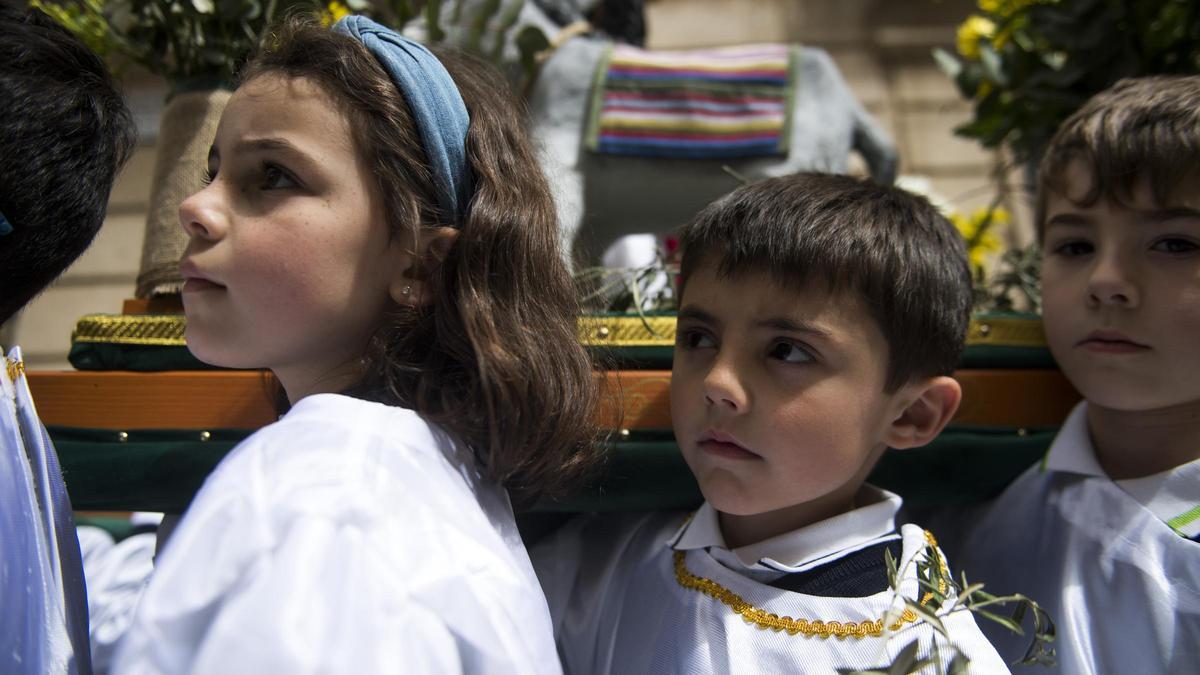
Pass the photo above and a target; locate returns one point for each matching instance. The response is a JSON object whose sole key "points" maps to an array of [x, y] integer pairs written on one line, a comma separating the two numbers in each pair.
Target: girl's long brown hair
{"points": [[495, 360]]}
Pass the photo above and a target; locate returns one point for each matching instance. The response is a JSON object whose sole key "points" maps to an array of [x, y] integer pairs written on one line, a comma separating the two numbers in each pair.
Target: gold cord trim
{"points": [[766, 621], [162, 330]]}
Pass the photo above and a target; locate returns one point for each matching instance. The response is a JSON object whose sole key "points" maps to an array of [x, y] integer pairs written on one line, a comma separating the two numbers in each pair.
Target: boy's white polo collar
{"points": [[1072, 450], [1172, 496], [801, 548]]}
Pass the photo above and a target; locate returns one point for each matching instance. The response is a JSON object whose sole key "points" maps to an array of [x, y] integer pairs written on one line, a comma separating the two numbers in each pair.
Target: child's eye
{"points": [[694, 339], [1174, 245], [1074, 247], [209, 176], [275, 178], [790, 352]]}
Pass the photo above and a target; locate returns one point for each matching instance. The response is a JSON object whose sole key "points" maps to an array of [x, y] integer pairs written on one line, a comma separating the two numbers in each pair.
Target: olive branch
{"points": [[941, 589]]}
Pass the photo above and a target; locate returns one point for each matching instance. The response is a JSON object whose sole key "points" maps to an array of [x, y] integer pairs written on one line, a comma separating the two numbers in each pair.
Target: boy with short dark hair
{"points": [[1105, 531], [64, 133], [820, 319]]}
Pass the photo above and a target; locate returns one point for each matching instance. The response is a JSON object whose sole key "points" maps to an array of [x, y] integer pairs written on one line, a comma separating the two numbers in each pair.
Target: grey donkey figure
{"points": [[602, 198]]}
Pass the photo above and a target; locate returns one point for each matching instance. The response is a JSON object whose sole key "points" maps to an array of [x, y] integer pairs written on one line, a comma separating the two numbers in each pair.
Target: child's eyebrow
{"points": [[269, 143], [689, 312], [259, 144], [1172, 213], [790, 325], [1069, 219]]}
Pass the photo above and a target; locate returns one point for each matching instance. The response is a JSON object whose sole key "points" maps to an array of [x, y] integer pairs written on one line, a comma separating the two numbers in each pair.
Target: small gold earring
{"points": [[406, 291]]}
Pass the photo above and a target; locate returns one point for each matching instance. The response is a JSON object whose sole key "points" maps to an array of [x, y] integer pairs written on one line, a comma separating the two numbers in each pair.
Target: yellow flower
{"points": [[971, 32], [979, 231], [85, 19], [334, 12], [1006, 8]]}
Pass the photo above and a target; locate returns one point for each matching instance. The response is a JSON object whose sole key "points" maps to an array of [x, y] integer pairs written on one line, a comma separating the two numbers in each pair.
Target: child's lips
{"points": [[194, 279], [1111, 342], [723, 445]]}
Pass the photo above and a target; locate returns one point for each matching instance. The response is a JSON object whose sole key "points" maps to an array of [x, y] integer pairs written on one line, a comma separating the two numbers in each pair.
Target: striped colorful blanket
{"points": [[725, 102]]}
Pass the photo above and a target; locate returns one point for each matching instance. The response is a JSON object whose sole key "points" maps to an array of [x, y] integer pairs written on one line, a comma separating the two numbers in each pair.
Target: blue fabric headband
{"points": [[437, 107], [5, 226]]}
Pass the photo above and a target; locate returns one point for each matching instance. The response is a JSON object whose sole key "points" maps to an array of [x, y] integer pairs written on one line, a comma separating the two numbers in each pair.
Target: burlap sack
{"points": [[189, 123]]}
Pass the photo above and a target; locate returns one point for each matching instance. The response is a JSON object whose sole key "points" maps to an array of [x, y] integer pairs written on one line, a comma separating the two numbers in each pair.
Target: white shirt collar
{"points": [[1072, 450], [794, 549], [1173, 496]]}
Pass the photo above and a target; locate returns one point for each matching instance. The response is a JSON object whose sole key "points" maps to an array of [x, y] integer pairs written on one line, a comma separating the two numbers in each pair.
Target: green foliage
{"points": [[626, 290], [1016, 277], [1028, 64], [204, 42], [182, 40]]}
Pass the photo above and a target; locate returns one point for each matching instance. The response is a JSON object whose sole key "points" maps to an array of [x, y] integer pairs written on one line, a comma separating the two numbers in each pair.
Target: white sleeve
{"points": [[583, 569], [232, 596], [556, 560]]}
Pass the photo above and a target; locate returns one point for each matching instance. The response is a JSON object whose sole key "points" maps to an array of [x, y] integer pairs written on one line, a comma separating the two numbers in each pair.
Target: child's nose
{"points": [[201, 215], [723, 387], [1112, 282]]}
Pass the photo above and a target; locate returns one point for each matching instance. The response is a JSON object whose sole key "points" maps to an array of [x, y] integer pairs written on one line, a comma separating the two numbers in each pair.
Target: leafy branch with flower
{"points": [[1026, 65], [202, 43]]}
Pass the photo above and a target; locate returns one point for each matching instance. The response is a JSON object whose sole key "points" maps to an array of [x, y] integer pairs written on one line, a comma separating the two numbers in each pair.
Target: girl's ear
{"points": [[929, 406], [409, 285]]}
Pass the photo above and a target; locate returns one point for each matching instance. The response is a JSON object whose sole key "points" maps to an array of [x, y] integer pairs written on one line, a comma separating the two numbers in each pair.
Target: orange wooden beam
{"points": [[242, 399]]}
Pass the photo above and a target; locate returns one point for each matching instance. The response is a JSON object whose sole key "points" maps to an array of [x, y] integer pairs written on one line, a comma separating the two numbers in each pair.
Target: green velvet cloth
{"points": [[162, 470], [148, 471], [141, 358]]}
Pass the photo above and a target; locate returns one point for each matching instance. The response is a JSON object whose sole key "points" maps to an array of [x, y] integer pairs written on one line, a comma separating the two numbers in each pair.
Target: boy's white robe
{"points": [[618, 608], [44, 621], [349, 537], [1122, 586]]}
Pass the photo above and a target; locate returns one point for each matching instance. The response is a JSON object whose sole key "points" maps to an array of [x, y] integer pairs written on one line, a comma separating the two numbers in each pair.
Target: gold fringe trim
{"points": [[612, 331], [159, 330]]}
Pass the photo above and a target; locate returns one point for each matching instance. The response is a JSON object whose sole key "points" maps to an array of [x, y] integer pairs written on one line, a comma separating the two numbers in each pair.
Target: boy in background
{"points": [[1105, 531], [820, 319], [64, 133]]}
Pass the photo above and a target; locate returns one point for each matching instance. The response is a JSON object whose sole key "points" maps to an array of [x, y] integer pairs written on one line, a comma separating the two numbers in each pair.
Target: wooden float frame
{"points": [[121, 400]]}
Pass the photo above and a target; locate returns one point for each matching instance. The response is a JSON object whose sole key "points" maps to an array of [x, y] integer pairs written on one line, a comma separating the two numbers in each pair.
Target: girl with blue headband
{"points": [[376, 232]]}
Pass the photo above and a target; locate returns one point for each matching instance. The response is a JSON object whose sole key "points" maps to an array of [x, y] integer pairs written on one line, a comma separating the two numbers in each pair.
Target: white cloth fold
{"points": [[44, 629], [347, 537]]}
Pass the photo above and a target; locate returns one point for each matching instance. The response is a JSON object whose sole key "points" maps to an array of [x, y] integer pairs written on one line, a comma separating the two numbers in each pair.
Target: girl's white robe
{"points": [[349, 537]]}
